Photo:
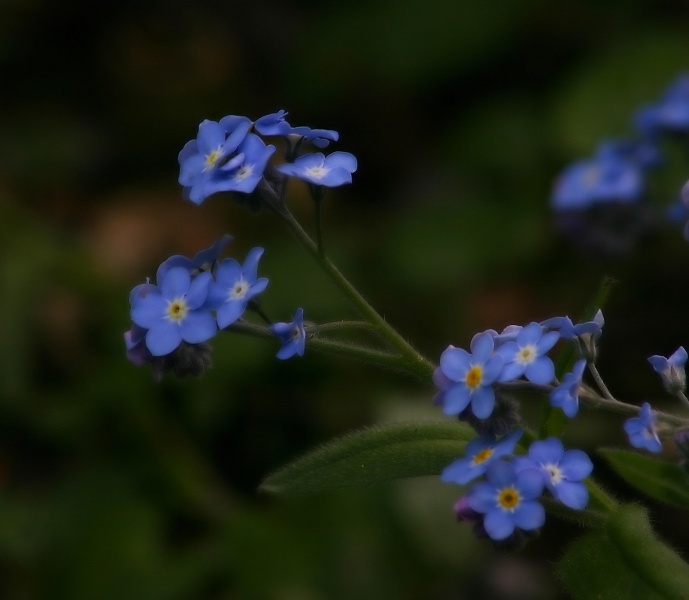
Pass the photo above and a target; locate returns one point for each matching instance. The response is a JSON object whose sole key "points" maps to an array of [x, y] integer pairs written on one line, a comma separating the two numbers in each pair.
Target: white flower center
{"points": [[212, 158], [239, 290], [295, 334], [317, 172], [176, 310], [554, 472], [526, 354], [244, 172]]}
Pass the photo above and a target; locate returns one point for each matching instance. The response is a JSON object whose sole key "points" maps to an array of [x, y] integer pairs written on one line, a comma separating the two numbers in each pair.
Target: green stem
{"points": [[346, 325], [417, 364], [318, 194], [367, 355]]}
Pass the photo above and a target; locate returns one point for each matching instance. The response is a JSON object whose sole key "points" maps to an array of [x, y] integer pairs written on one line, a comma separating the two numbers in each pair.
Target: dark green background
{"points": [[461, 114]]}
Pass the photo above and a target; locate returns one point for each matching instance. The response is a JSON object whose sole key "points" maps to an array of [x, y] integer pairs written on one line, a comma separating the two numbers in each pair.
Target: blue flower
{"points": [[508, 500], [480, 453], [203, 161], [610, 176], [527, 355], [318, 137], [292, 336], [135, 344], [273, 124], [671, 370], [563, 471], [566, 395], [642, 430], [472, 376], [670, 114], [174, 311], [568, 330], [234, 286], [331, 171]]}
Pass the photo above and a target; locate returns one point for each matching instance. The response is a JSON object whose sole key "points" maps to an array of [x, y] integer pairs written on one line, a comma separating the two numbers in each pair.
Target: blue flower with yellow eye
{"points": [[174, 311]]}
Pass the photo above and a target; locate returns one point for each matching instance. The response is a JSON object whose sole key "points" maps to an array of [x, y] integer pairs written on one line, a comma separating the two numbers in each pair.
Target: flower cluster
{"points": [[230, 155], [600, 201], [506, 502]]}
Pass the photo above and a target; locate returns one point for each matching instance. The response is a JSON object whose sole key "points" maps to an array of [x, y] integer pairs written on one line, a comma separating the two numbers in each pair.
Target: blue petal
{"points": [[500, 474], [575, 465], [229, 312], [163, 339], [462, 471], [511, 371], [198, 326], [482, 497], [287, 351], [482, 347], [211, 136], [529, 515], [483, 402], [572, 494], [541, 371], [334, 178], [198, 290], [547, 451], [531, 334], [343, 160], [498, 524], [175, 284], [455, 362], [456, 399], [250, 267], [492, 369], [530, 483], [149, 310]]}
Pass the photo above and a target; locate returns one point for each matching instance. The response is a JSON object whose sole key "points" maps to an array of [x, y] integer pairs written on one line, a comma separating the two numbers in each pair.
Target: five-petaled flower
{"points": [[330, 171], [174, 311], [234, 286], [527, 355], [507, 499], [563, 470], [472, 376]]}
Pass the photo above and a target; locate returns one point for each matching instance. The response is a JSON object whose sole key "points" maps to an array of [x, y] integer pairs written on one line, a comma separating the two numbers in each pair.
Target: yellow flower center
{"points": [[508, 498], [526, 354], [177, 310], [482, 456], [474, 377], [212, 158]]}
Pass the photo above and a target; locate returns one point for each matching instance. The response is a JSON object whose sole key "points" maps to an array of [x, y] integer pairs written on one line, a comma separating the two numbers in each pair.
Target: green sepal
{"points": [[660, 480], [372, 455], [624, 561]]}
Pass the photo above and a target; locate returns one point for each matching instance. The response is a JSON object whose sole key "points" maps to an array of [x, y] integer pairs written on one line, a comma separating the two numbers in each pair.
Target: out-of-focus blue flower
{"points": [[671, 370], [642, 430], [568, 330], [292, 336], [480, 453], [203, 260], [527, 355], [472, 376], [243, 175], [234, 286], [174, 311], [318, 137], [204, 161], [508, 500], [566, 395], [609, 176], [563, 471], [670, 113], [330, 171]]}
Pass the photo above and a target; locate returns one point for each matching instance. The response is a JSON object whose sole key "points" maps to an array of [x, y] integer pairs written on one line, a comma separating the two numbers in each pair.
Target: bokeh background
{"points": [[461, 113]]}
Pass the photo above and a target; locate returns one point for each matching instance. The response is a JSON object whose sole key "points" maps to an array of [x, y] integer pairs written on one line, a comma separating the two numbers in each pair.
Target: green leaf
{"points": [[624, 561], [660, 480], [372, 455]]}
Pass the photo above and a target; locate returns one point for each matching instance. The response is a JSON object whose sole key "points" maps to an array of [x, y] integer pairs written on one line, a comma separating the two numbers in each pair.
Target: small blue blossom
{"points": [[671, 370], [203, 161], [508, 500], [472, 376], [563, 471], [480, 453], [608, 177], [527, 355], [566, 395], [568, 330], [670, 114], [320, 138], [292, 336], [234, 286], [334, 170], [273, 124], [174, 311], [642, 430], [243, 173]]}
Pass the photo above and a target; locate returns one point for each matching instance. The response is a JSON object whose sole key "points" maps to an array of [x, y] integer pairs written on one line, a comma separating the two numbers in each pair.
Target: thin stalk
{"points": [[417, 363], [599, 381]]}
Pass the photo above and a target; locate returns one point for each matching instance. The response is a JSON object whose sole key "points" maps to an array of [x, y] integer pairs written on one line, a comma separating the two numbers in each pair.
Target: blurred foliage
{"points": [[461, 114]]}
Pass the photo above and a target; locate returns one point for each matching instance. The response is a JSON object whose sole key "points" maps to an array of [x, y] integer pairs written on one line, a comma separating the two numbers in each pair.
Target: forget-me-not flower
{"points": [[641, 430], [527, 355], [671, 370], [566, 395], [330, 171], [480, 453], [174, 311], [472, 376], [292, 335], [563, 470], [234, 286], [507, 499]]}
